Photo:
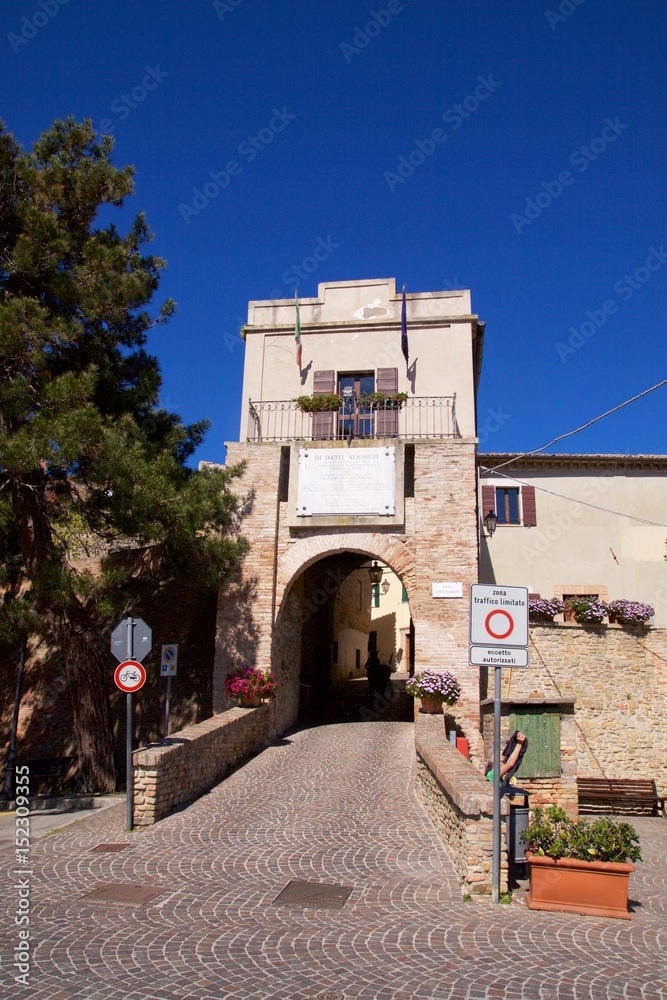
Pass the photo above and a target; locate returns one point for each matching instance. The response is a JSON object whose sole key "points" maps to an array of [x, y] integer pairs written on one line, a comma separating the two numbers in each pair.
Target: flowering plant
{"points": [[588, 612], [553, 834], [540, 610], [630, 612], [250, 681], [433, 684], [324, 402]]}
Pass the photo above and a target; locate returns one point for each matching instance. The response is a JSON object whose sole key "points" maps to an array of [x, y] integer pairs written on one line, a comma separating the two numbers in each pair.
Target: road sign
{"points": [[498, 656], [498, 615], [140, 641], [169, 660], [129, 676]]}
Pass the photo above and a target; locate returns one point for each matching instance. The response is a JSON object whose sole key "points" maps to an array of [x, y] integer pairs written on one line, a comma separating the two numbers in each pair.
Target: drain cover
{"points": [[322, 895], [127, 895], [108, 848]]}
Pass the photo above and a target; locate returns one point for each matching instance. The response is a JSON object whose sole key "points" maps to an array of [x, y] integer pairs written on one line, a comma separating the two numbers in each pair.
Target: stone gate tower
{"points": [[388, 474]]}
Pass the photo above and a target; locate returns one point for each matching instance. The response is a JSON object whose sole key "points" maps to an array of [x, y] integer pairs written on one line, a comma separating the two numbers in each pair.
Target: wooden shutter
{"points": [[488, 500], [542, 727], [323, 423], [386, 380], [528, 506]]}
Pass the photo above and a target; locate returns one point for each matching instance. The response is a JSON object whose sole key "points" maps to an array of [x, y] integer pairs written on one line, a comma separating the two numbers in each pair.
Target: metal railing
{"points": [[417, 417]]}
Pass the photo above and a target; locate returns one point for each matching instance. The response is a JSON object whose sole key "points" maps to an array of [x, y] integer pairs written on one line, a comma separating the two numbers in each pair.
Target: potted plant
{"points": [[540, 610], [435, 689], [324, 402], [579, 866], [631, 613], [383, 400], [586, 610], [250, 686]]}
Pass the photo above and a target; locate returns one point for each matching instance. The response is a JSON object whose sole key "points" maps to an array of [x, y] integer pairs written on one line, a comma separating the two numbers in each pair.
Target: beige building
{"points": [[387, 479], [573, 525]]}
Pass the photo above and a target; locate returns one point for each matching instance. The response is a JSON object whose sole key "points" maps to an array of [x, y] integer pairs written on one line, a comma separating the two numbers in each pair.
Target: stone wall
{"points": [[616, 680], [459, 802], [185, 764]]}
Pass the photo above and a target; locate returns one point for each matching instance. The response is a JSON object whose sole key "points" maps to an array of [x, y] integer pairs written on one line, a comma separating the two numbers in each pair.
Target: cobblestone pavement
{"points": [[330, 804]]}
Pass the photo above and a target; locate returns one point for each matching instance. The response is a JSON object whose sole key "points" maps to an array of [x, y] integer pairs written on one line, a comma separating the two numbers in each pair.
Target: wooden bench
{"points": [[43, 768], [619, 795]]}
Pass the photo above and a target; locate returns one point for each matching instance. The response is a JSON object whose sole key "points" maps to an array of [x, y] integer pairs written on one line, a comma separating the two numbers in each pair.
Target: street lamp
{"points": [[375, 573], [490, 523]]}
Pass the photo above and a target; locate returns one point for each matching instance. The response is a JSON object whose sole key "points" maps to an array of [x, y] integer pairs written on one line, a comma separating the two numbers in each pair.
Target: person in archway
{"points": [[375, 676]]}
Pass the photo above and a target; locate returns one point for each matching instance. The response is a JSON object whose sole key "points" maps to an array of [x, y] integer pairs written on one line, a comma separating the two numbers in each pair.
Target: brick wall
{"points": [[437, 542], [459, 802], [184, 765]]}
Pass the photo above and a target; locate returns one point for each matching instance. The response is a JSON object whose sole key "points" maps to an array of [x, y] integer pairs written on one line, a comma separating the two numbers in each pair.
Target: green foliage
{"points": [[553, 834], [89, 461], [326, 401], [383, 400]]}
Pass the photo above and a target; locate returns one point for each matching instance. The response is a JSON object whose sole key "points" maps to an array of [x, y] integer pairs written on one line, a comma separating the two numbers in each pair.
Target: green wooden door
{"points": [[541, 724]]}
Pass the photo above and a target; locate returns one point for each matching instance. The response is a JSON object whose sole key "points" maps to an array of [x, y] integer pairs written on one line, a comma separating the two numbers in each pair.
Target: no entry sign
{"points": [[498, 615], [129, 676]]}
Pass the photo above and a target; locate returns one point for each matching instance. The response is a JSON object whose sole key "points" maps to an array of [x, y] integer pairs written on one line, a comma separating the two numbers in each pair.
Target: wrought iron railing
{"points": [[417, 417]]}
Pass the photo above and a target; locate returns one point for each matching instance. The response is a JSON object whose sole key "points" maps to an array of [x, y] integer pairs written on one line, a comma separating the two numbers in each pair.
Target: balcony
{"points": [[419, 417]]}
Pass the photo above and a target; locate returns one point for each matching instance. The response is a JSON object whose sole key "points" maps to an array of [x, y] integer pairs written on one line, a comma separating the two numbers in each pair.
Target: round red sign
{"points": [[129, 676], [499, 623]]}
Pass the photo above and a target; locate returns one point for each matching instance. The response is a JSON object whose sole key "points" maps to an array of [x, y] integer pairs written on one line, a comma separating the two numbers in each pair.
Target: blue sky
{"points": [[543, 192]]}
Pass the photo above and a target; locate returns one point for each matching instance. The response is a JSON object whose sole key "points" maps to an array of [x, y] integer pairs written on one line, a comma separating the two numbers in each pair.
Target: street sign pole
{"points": [[166, 707], [129, 726], [131, 640], [498, 638], [495, 861]]}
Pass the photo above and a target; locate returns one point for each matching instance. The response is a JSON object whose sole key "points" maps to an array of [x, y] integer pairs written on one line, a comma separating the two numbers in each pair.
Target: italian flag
{"points": [[297, 330]]}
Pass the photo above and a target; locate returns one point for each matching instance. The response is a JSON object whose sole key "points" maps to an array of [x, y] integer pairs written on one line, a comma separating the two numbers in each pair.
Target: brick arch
{"points": [[398, 555]]}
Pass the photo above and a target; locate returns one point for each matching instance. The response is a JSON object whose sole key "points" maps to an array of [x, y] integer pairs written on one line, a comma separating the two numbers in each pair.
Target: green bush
{"points": [[327, 401], [553, 834]]}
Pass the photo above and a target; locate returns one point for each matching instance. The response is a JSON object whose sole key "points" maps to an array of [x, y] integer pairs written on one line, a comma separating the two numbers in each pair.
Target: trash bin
{"points": [[517, 821]]}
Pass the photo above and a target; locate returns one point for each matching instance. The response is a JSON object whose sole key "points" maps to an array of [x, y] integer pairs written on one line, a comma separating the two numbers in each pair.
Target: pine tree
{"points": [[87, 458]]}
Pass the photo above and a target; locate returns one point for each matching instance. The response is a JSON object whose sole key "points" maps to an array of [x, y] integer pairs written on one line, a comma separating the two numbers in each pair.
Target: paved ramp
{"points": [[370, 908]]}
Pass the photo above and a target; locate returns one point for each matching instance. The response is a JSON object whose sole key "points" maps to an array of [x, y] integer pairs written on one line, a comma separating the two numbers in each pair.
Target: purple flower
{"points": [[435, 684]]}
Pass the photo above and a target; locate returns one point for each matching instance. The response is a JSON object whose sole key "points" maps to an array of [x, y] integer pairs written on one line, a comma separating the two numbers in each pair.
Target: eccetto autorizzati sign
{"points": [[342, 481]]}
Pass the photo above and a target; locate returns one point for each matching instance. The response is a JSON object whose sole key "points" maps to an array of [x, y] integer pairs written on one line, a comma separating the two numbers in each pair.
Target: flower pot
{"points": [[250, 701], [431, 705], [599, 888]]}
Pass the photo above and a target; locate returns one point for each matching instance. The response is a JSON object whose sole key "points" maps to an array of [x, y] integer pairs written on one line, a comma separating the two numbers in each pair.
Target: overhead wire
{"points": [[583, 427], [585, 503]]}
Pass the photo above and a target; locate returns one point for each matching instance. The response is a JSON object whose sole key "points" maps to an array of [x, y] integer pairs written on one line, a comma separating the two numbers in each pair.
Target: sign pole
{"points": [[495, 869], [129, 773], [166, 708]]}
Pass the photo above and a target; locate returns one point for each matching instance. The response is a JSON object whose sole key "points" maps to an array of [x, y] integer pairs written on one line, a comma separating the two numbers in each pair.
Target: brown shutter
{"points": [[386, 380], [386, 421], [323, 382], [528, 506], [488, 500], [323, 423]]}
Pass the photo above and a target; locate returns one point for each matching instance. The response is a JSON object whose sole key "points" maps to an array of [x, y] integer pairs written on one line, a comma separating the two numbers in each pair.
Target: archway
{"points": [[328, 614]]}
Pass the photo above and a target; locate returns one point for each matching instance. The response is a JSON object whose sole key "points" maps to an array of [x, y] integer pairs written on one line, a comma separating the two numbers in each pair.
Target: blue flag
{"points": [[404, 330]]}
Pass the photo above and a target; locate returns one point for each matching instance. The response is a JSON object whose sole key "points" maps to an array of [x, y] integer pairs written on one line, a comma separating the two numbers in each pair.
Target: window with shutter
{"points": [[323, 423], [354, 419], [387, 419], [511, 504], [541, 724]]}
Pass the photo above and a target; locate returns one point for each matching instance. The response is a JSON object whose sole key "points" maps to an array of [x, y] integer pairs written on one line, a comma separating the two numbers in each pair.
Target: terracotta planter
{"points": [[599, 888], [433, 706], [251, 701]]}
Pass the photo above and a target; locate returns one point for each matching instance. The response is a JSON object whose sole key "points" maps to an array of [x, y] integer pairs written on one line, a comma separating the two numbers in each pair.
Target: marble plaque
{"points": [[346, 481]]}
